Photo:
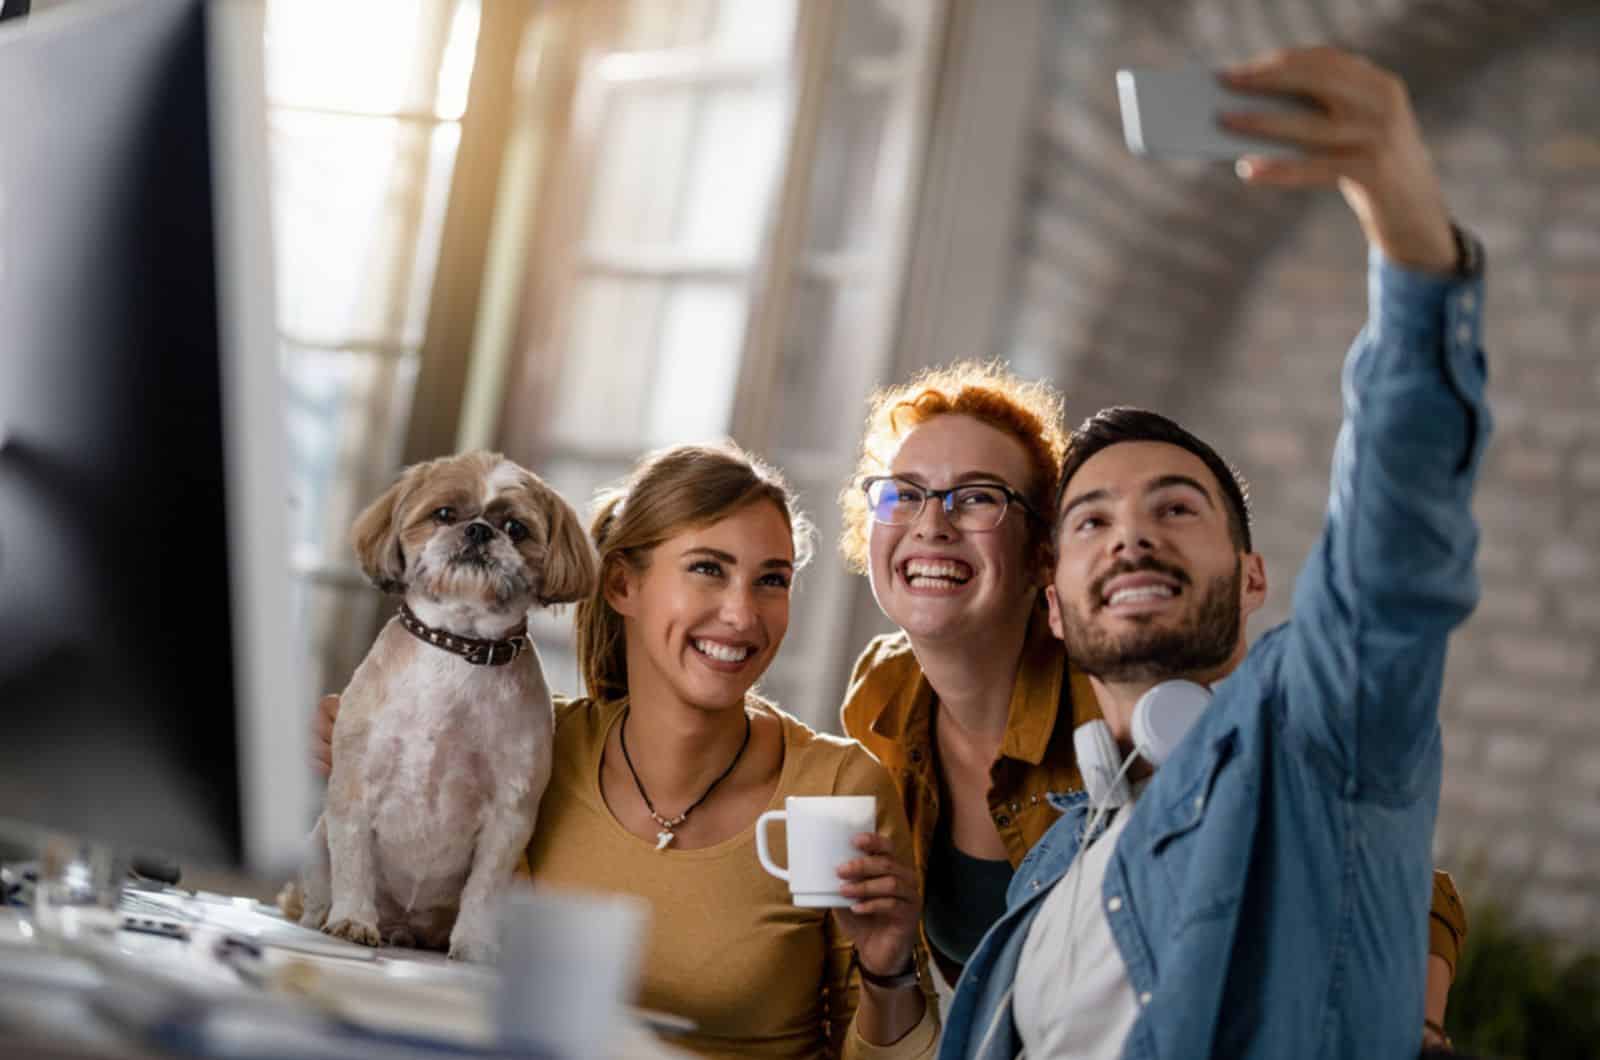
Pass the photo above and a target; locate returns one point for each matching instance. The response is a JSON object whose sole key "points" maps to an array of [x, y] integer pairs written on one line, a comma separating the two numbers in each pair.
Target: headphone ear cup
{"points": [[1163, 717], [1100, 764]]}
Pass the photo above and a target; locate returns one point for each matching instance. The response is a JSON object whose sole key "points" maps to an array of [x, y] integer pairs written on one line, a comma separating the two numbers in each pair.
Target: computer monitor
{"points": [[150, 688]]}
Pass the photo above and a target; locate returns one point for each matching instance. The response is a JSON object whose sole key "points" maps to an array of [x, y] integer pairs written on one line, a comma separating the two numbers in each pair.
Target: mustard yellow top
{"points": [[759, 976]]}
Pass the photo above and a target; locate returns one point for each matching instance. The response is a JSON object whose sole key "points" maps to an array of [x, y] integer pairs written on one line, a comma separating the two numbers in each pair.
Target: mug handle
{"points": [[763, 851]]}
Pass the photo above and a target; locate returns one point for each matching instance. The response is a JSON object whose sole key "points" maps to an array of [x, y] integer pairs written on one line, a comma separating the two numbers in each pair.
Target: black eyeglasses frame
{"points": [[945, 500]]}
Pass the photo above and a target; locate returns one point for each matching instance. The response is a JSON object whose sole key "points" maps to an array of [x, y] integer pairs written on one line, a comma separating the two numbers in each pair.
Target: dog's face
{"points": [[475, 529]]}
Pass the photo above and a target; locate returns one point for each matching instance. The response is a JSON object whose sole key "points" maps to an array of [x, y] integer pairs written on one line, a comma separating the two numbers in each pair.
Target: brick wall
{"points": [[1175, 287]]}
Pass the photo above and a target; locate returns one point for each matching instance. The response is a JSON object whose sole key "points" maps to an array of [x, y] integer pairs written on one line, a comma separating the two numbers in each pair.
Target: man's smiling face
{"points": [[1149, 583]]}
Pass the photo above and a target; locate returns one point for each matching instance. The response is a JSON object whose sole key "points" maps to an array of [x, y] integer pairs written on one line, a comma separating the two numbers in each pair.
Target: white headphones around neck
{"points": [[1161, 719]]}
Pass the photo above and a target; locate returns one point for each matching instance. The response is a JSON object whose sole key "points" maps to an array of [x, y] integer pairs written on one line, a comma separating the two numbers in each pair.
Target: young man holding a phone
{"points": [[1263, 893]]}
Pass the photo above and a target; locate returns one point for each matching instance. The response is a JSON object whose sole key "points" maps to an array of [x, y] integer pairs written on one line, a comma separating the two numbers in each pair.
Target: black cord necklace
{"points": [[666, 836]]}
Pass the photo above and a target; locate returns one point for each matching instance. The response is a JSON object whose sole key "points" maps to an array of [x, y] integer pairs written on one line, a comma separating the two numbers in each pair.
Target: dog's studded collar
{"points": [[475, 651]]}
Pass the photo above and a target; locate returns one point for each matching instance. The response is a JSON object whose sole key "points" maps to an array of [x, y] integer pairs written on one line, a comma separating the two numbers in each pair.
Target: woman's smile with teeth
{"points": [[936, 572], [727, 653]]}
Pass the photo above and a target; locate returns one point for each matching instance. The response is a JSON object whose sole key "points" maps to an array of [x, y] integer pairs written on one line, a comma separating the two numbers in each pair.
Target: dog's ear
{"points": [[376, 534], [570, 571]]}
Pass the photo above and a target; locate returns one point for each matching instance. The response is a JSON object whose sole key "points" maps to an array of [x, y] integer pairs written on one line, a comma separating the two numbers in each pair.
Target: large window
{"points": [[683, 127], [702, 228], [365, 101], [722, 254]]}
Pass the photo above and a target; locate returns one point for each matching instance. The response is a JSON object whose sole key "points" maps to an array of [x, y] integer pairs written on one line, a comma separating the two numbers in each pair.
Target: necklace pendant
{"points": [[664, 837]]}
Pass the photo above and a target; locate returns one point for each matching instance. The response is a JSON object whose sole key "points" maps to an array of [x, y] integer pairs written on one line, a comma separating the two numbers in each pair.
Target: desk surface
{"points": [[56, 997]]}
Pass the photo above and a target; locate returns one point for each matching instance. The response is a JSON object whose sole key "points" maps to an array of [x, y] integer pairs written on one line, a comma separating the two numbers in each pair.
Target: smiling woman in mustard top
{"points": [[661, 774]]}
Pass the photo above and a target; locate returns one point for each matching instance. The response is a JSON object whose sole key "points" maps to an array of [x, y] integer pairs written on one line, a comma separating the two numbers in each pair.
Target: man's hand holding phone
{"points": [[1173, 114], [1335, 118]]}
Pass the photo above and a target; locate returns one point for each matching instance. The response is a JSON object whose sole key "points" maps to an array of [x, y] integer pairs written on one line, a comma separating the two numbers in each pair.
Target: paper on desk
{"points": [[392, 989], [245, 917]]}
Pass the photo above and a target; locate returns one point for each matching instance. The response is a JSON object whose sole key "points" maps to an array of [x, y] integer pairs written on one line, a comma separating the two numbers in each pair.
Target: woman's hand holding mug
{"points": [[836, 860], [882, 921]]}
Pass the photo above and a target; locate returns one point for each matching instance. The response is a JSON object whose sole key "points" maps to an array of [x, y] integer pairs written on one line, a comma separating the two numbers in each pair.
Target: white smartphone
{"points": [[1173, 114]]}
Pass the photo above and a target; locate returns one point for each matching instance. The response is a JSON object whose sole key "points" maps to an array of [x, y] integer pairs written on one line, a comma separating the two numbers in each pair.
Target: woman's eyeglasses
{"points": [[972, 507]]}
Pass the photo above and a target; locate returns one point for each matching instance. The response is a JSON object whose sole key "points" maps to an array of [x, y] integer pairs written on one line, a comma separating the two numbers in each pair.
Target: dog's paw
{"points": [[472, 951], [314, 918], [353, 930], [291, 901], [473, 946]]}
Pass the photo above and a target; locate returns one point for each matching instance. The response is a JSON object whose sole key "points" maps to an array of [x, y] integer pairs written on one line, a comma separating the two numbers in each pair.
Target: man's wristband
{"points": [[1469, 252]]}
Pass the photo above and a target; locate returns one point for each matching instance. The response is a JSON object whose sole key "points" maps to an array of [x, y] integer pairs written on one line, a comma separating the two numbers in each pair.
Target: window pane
{"points": [[665, 171], [744, 30], [875, 27], [429, 227], [733, 168], [346, 414], [579, 479], [753, 30], [649, 363], [362, 54], [606, 366], [697, 373], [350, 220], [654, 25], [823, 356], [455, 69], [639, 167], [846, 171], [358, 209]]}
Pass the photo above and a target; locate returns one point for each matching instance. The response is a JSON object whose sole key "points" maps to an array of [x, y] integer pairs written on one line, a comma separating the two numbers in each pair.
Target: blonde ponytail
{"points": [[602, 650]]}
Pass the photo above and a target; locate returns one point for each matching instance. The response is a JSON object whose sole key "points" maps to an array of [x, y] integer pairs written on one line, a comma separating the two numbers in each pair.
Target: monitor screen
{"points": [[147, 677]]}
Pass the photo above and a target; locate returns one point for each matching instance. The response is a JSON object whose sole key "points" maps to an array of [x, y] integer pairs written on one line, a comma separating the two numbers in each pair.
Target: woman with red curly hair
{"points": [[972, 704]]}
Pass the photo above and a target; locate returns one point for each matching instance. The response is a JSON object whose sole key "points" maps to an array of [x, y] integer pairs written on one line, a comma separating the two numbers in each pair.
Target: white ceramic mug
{"points": [[819, 830], [568, 969]]}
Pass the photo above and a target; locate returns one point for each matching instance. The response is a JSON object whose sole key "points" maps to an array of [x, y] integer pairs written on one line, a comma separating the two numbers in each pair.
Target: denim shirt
{"points": [[1269, 894]]}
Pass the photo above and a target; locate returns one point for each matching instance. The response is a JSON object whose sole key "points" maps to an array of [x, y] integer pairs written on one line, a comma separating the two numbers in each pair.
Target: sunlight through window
{"points": [[365, 101]]}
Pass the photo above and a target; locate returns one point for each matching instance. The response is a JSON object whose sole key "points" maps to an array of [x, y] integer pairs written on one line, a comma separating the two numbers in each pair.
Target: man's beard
{"points": [[1152, 653]]}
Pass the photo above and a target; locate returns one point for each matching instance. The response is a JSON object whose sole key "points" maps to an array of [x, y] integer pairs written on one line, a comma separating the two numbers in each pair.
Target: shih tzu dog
{"points": [[441, 747]]}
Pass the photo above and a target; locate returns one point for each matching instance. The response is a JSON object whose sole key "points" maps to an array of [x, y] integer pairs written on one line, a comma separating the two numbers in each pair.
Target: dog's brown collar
{"points": [[475, 651]]}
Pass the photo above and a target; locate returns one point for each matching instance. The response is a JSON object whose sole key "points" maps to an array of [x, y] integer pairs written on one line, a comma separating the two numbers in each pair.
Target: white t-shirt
{"points": [[1072, 997]]}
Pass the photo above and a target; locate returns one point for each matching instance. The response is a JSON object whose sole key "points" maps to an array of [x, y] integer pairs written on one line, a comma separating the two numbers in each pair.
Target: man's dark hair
{"points": [[1110, 426]]}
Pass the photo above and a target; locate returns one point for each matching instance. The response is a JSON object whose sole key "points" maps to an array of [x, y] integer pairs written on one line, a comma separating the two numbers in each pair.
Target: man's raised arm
{"points": [[1392, 573]]}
